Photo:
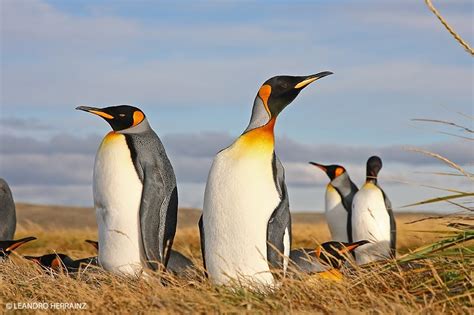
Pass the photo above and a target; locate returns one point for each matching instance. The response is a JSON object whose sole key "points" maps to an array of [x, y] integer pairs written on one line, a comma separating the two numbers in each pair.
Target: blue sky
{"points": [[194, 68]]}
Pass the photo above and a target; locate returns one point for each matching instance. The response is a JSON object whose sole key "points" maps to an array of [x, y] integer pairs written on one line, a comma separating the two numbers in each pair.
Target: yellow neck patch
{"points": [[259, 140], [111, 136]]}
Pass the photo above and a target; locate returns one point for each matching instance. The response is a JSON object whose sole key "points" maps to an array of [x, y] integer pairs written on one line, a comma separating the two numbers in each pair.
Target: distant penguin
{"points": [[339, 194], [325, 257], [373, 219], [7, 212], [7, 246], [62, 262], [135, 193], [245, 227], [178, 264]]}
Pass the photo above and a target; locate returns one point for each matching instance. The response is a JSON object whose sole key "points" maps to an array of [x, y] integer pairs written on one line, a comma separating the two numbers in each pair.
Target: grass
{"points": [[431, 283]]}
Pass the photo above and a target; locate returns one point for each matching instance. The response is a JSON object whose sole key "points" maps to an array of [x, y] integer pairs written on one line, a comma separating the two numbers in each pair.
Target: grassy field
{"points": [[437, 284]]}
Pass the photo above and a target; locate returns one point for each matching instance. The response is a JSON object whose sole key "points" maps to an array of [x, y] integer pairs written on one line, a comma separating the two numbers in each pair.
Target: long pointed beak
{"points": [[322, 167], [352, 246], [311, 78], [96, 111], [19, 243]]}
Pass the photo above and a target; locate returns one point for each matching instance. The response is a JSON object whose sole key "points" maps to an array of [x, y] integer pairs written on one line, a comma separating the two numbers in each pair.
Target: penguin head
{"points": [[119, 117], [336, 253], [51, 261], [332, 171], [278, 92], [6, 247], [374, 165]]}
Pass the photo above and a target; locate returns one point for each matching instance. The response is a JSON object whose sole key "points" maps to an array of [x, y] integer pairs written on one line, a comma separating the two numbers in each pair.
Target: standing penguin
{"points": [[246, 227], [135, 193], [339, 194], [373, 219], [7, 212]]}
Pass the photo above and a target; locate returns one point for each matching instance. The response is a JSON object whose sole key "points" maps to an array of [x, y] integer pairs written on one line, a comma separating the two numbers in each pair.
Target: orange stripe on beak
{"points": [[101, 114]]}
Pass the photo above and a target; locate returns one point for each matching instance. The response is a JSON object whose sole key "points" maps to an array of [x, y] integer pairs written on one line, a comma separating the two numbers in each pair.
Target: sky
{"points": [[195, 68]]}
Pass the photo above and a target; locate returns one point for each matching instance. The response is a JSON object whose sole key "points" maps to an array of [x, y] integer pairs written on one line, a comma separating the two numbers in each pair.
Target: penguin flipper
{"points": [[393, 225], [159, 200], [201, 235], [157, 220], [279, 224]]}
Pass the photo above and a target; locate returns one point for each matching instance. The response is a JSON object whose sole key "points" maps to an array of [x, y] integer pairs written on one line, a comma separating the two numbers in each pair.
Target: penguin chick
{"points": [[338, 201]]}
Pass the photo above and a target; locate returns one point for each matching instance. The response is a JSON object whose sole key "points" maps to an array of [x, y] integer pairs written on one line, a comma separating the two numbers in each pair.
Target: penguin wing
{"points": [[201, 235], [159, 200], [279, 225], [393, 225]]}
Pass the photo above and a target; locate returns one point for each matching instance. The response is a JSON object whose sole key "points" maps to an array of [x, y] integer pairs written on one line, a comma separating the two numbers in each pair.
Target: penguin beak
{"points": [[351, 247], [19, 243], [322, 167], [96, 111], [311, 78]]}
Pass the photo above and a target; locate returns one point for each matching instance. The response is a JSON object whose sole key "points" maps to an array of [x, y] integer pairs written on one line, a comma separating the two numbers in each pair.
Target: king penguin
{"points": [[7, 212], [373, 219], [324, 257], [246, 225], [135, 194], [339, 194]]}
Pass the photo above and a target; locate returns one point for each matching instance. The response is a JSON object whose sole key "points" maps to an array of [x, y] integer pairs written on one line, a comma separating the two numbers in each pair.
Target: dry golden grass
{"points": [[424, 287]]}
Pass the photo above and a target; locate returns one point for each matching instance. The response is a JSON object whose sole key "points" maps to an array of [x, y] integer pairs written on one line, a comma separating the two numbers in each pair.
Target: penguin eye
{"points": [[122, 115]]}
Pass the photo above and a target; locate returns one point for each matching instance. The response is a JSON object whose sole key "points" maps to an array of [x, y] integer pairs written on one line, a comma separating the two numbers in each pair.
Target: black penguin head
{"points": [[6, 247], [336, 253], [374, 165], [278, 92], [332, 171], [51, 261], [119, 117]]}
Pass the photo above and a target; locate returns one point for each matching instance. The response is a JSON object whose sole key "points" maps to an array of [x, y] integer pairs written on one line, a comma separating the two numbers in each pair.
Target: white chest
{"points": [[239, 200], [336, 215], [117, 195]]}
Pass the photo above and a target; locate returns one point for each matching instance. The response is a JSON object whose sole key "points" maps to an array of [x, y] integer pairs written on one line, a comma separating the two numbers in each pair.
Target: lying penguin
{"points": [[62, 262], [325, 260], [178, 264], [7, 246]]}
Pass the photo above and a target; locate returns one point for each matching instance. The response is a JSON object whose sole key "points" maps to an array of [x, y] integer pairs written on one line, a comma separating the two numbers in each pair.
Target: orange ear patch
{"points": [[264, 94], [56, 263], [339, 171], [137, 117]]}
